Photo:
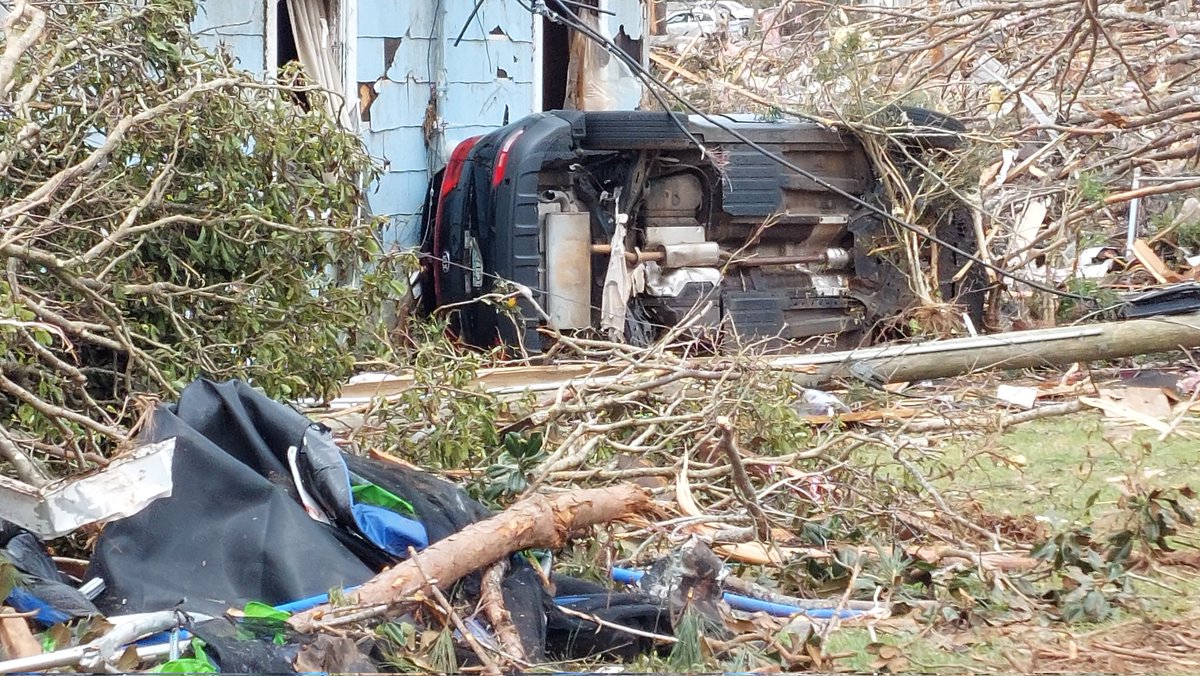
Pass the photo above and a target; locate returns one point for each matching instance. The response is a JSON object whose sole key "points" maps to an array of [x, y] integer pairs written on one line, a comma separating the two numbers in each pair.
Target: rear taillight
{"points": [[454, 167], [502, 157], [450, 179]]}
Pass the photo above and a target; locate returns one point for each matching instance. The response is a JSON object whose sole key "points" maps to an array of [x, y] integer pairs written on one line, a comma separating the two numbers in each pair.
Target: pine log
{"points": [[539, 521]]}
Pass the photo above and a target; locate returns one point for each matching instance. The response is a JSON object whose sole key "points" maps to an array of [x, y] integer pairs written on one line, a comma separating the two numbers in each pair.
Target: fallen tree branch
{"points": [[741, 480], [538, 521], [26, 469], [19, 43], [489, 665], [897, 454], [112, 140], [1000, 424], [491, 600]]}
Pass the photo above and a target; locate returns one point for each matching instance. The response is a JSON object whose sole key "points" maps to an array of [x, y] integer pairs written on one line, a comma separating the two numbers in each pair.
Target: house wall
{"points": [[420, 94], [429, 94], [238, 26]]}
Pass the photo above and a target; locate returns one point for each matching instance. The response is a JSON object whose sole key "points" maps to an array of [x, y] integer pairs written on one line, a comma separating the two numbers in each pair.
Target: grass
{"points": [[1052, 467], [1048, 468], [921, 653]]}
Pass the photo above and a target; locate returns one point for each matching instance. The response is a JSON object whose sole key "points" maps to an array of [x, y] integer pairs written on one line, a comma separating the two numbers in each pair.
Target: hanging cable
{"points": [[654, 84]]}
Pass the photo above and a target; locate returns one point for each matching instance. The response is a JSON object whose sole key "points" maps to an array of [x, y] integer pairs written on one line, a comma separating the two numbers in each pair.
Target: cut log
{"points": [[539, 521]]}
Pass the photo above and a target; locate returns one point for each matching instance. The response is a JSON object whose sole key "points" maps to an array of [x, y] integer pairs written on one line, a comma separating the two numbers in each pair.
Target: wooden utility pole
{"points": [[1015, 350]]}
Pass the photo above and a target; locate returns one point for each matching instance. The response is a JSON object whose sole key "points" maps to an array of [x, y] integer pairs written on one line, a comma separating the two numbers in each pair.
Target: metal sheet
{"points": [[569, 270], [122, 489]]}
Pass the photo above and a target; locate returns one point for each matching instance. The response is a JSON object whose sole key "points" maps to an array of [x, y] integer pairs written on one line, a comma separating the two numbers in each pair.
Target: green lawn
{"points": [[1051, 467], [1048, 468]]}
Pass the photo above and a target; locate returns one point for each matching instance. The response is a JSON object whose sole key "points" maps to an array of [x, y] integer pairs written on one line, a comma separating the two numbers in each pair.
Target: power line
{"points": [[652, 82]]}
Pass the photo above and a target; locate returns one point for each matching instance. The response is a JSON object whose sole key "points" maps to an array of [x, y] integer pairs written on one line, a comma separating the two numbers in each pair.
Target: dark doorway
{"points": [[285, 40], [556, 57]]}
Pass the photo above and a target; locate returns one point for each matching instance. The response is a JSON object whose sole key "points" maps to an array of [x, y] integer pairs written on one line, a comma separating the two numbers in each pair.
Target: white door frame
{"points": [[271, 40], [347, 30], [539, 70]]}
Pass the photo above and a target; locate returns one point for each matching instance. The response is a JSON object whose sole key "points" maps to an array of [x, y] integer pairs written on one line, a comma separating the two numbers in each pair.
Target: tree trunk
{"points": [[539, 521]]}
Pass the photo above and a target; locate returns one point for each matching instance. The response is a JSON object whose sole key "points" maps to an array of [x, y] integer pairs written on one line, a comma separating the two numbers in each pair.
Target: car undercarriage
{"points": [[635, 225]]}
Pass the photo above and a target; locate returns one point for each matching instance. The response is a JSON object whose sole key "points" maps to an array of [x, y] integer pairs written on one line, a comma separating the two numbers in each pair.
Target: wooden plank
{"points": [[16, 637], [1153, 264]]}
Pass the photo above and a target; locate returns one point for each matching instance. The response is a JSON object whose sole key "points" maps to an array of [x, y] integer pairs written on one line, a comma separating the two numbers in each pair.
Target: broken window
{"points": [[307, 32], [595, 79]]}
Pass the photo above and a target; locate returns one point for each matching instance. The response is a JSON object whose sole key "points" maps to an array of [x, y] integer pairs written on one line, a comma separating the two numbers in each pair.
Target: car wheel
{"points": [[931, 129]]}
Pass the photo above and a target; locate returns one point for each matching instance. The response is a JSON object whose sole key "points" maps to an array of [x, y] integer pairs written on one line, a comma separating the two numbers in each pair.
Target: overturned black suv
{"points": [[620, 223]]}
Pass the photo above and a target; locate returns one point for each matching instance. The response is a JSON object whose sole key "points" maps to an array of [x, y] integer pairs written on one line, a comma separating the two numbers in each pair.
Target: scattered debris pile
{"points": [[1083, 170], [818, 526], [728, 518], [657, 508]]}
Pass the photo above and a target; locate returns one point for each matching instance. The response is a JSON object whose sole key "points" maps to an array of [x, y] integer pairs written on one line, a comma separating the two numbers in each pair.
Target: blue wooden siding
{"points": [[238, 26], [406, 50], [405, 53], [398, 36]]}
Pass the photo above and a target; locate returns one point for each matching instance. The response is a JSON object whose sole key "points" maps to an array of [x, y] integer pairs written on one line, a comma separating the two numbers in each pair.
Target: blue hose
{"points": [[626, 576], [753, 605], [622, 575], [302, 605], [290, 607]]}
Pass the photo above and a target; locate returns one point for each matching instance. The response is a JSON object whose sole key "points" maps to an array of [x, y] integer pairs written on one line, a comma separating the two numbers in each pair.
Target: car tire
{"points": [[931, 129], [971, 290]]}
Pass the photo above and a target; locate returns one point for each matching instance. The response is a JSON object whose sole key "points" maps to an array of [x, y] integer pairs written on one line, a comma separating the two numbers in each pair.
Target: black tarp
{"points": [[40, 588], [234, 529]]}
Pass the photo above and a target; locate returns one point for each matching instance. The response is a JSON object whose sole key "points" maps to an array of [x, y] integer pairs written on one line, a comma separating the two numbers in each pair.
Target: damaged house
{"points": [[419, 76]]}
